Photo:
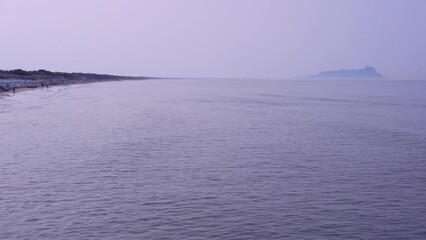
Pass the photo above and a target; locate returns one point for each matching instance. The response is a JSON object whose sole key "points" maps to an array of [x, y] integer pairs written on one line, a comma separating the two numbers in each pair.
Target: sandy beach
{"points": [[18, 90]]}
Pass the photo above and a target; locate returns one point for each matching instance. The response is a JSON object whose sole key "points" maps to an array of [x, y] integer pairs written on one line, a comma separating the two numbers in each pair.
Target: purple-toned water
{"points": [[215, 159]]}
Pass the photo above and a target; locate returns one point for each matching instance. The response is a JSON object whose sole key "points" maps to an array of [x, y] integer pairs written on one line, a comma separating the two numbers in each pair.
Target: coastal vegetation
{"points": [[18, 78], [44, 75]]}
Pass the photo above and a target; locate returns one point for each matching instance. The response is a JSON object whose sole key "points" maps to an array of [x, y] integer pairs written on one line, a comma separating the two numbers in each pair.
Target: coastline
{"points": [[8, 85], [12, 80]]}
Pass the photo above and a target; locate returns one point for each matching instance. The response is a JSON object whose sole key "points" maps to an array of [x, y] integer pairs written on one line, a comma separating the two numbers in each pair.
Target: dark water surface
{"points": [[215, 159]]}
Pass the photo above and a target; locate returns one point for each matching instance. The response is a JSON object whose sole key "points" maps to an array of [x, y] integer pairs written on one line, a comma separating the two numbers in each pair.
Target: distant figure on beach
{"points": [[47, 86], [14, 90], [42, 85]]}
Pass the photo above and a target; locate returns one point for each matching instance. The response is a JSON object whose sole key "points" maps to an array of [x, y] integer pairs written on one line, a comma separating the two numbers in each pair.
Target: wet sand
{"points": [[18, 90]]}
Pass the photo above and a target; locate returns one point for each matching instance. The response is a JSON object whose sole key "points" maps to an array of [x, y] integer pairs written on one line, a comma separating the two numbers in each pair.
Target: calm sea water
{"points": [[215, 159]]}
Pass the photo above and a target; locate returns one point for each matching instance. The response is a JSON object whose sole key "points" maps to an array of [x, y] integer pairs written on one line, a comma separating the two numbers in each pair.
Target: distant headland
{"points": [[13, 79], [364, 73]]}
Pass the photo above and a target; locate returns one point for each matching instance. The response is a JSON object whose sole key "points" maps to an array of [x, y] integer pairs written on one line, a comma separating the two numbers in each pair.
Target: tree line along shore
{"points": [[12, 79]]}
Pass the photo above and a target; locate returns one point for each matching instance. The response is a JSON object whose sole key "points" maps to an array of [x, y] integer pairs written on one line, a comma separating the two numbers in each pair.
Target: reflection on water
{"points": [[215, 159]]}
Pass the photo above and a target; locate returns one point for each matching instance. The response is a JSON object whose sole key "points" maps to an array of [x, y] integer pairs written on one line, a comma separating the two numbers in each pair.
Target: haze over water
{"points": [[215, 159]]}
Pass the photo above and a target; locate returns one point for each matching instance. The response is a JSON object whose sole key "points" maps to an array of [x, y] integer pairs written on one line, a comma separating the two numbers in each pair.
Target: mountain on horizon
{"points": [[364, 73]]}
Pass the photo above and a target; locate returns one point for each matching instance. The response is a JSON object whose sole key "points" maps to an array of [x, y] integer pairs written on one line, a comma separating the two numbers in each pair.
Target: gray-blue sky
{"points": [[224, 38]]}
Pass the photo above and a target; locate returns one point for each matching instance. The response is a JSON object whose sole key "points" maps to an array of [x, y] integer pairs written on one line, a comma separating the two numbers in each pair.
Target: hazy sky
{"points": [[214, 38]]}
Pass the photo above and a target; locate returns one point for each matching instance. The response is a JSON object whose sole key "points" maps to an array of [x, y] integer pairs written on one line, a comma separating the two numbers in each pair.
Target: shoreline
{"points": [[18, 90], [7, 85], [12, 80]]}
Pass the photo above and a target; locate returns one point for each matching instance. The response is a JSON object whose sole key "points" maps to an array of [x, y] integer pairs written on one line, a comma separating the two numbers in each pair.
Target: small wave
{"points": [[51, 92]]}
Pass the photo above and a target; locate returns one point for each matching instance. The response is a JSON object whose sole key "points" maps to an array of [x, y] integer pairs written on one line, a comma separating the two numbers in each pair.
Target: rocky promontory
{"points": [[364, 73]]}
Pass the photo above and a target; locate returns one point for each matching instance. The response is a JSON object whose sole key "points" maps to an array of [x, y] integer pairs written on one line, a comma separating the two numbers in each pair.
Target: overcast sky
{"points": [[214, 38]]}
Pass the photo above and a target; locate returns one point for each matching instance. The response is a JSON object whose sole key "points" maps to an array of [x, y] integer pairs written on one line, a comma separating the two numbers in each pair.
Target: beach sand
{"points": [[18, 90]]}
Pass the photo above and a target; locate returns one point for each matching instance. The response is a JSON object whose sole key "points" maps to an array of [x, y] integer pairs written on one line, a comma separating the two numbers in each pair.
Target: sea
{"points": [[215, 159]]}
